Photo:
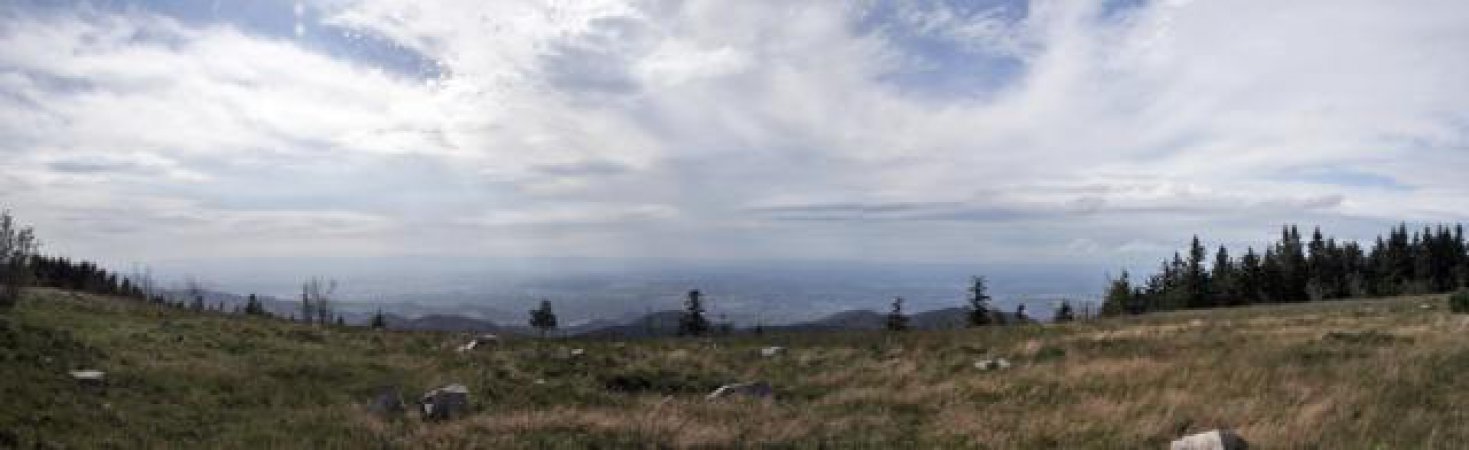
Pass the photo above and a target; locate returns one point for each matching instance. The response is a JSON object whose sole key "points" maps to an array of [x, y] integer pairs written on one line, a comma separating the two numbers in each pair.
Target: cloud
{"points": [[643, 127]]}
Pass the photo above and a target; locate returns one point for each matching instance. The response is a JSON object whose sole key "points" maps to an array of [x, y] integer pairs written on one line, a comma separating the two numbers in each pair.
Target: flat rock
{"points": [[758, 389]]}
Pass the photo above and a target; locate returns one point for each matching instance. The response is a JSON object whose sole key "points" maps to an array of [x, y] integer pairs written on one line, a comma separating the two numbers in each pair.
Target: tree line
{"points": [[1432, 260]]}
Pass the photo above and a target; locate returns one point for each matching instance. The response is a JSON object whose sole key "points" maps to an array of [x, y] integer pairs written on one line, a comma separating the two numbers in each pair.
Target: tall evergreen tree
{"points": [[979, 303], [1064, 313], [1119, 299], [896, 320], [1224, 280], [379, 321], [1195, 279], [693, 322]]}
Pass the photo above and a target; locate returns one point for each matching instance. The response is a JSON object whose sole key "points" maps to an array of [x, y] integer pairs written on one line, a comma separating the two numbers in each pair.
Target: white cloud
{"points": [[626, 120]]}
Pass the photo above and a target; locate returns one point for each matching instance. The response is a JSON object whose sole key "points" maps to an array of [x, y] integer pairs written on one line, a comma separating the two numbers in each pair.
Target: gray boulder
{"points": [[1211, 440], [445, 402]]}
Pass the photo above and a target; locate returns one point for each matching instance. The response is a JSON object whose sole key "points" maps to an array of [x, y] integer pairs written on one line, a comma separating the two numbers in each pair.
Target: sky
{"points": [[950, 131]]}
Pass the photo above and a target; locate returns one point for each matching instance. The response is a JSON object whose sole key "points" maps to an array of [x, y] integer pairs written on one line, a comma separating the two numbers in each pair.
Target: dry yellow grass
{"points": [[1342, 375]]}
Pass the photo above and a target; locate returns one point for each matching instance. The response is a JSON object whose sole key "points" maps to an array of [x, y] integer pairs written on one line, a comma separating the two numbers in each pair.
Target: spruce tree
{"points": [[979, 303], [1223, 280], [1064, 313], [1248, 282], [1195, 279], [693, 322], [379, 321], [896, 320], [1119, 299]]}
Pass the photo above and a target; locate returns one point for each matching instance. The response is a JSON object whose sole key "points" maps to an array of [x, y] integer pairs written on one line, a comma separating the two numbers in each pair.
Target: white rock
{"points": [[992, 364], [577, 352], [88, 374], [758, 389], [772, 351], [1210, 440]]}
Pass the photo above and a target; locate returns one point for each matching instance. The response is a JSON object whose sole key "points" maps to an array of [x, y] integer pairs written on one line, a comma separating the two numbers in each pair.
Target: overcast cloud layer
{"points": [[934, 131]]}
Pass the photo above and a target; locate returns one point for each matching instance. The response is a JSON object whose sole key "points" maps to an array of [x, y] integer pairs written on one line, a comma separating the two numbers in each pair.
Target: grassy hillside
{"points": [[1343, 375]]}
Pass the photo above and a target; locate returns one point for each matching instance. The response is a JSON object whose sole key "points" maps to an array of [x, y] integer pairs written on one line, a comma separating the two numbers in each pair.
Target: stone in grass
{"points": [[772, 351], [446, 402], [89, 378], [477, 342], [1211, 440], [758, 389], [992, 364]]}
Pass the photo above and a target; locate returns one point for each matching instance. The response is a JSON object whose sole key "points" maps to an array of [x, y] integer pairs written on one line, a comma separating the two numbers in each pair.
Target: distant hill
{"points": [[857, 319], [657, 324], [863, 319], [440, 322]]}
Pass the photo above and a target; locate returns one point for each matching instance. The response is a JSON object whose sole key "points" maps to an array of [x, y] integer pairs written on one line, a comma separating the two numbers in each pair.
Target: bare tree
{"points": [[316, 300], [142, 278], [17, 247], [195, 292]]}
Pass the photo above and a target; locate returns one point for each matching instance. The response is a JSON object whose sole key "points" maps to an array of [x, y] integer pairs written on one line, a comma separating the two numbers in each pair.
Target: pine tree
{"points": [[693, 322], [896, 320], [979, 303], [1119, 298], [1064, 313], [1249, 281], [542, 318], [253, 306], [379, 321], [1195, 279], [1223, 280], [1460, 250]]}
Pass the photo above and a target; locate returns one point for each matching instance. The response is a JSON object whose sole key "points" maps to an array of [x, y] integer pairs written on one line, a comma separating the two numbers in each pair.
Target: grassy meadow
{"points": [[1391, 373]]}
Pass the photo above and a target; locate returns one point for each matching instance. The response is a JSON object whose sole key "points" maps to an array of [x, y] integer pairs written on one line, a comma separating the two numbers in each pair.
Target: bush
{"points": [[1459, 302]]}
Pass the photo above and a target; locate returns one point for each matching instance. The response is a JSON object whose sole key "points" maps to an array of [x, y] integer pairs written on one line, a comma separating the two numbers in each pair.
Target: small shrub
{"points": [[1459, 302], [1050, 353]]}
